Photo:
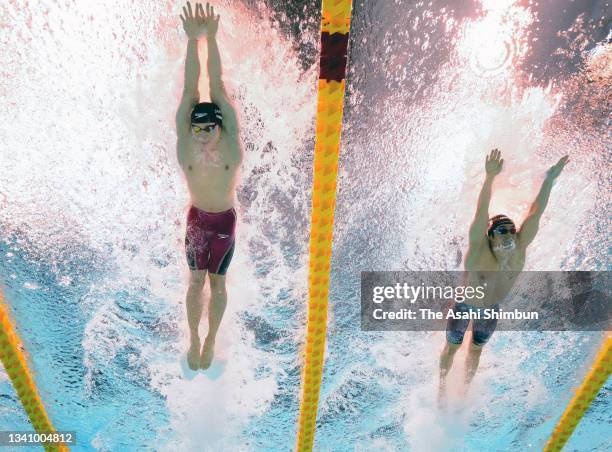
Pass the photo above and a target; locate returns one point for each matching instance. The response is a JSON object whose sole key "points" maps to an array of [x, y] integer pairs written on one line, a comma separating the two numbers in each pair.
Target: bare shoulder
{"points": [[183, 149], [521, 243], [231, 141], [521, 249], [477, 245], [477, 251]]}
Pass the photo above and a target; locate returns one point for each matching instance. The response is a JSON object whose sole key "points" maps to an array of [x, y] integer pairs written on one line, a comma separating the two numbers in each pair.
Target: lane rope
{"points": [[16, 366], [592, 383], [335, 27]]}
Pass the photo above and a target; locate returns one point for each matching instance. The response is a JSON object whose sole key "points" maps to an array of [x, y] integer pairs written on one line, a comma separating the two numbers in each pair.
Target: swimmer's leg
{"points": [[481, 333], [218, 302], [455, 330], [446, 358], [446, 362], [471, 361], [194, 303]]}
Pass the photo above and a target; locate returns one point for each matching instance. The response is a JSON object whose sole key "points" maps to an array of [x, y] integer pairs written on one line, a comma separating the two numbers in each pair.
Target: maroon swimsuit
{"points": [[209, 242]]}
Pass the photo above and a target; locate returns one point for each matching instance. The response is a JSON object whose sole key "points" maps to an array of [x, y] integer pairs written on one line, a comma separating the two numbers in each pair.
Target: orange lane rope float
{"points": [[335, 27], [593, 381], [17, 369]]}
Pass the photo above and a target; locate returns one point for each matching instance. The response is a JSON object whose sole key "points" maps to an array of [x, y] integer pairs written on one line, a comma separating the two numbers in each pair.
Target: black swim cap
{"points": [[206, 112], [497, 221]]}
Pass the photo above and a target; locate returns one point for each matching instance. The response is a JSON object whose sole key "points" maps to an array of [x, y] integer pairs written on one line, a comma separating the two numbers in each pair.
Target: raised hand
{"points": [[494, 163], [193, 22], [211, 22], [556, 169]]}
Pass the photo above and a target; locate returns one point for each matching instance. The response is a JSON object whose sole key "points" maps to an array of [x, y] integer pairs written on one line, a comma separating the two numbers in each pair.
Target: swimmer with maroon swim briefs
{"points": [[209, 152], [209, 241]]}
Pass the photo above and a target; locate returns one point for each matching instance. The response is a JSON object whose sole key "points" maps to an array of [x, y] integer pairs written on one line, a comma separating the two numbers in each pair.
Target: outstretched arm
{"points": [[193, 24], [193, 27], [217, 90], [493, 166], [530, 226]]}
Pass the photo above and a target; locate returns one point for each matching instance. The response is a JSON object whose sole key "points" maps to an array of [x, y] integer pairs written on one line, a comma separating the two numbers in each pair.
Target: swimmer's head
{"points": [[502, 233], [206, 121]]}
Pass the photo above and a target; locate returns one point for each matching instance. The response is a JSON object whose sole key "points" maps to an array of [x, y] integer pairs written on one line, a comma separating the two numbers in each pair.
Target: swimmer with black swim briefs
{"points": [[496, 255]]}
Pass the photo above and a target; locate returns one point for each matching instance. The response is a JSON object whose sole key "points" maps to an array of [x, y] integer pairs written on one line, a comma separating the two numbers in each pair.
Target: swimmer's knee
{"points": [[197, 279], [476, 347], [452, 347], [217, 282]]}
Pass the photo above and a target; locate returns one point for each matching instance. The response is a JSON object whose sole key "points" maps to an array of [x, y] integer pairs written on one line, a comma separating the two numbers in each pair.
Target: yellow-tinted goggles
{"points": [[209, 128]]}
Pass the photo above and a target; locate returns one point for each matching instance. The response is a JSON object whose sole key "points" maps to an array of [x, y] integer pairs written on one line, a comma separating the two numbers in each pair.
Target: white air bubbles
{"points": [[31, 285], [493, 57], [495, 42]]}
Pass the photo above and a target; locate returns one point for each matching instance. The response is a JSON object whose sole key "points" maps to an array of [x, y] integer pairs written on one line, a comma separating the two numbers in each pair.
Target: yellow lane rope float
{"points": [[335, 27], [17, 369], [594, 380]]}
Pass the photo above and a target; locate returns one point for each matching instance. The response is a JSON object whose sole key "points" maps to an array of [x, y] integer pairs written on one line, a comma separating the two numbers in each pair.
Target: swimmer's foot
{"points": [[208, 351], [193, 355]]}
